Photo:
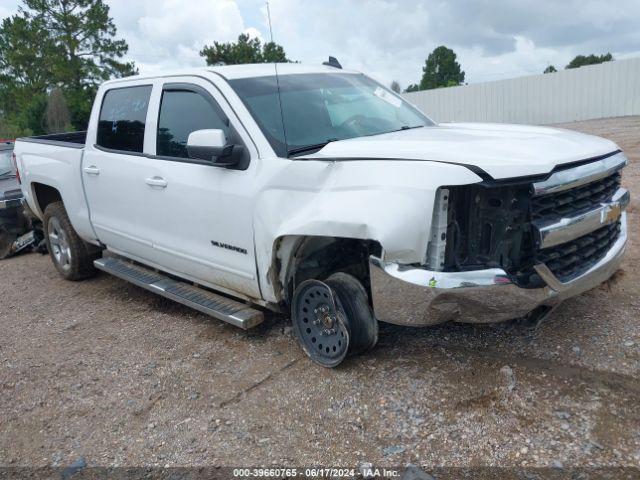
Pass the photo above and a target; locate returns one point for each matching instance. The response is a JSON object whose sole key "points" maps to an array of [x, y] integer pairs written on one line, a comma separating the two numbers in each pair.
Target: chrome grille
{"points": [[571, 259], [567, 203], [566, 223]]}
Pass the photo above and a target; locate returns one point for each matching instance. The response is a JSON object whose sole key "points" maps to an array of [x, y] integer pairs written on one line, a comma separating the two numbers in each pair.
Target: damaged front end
{"points": [[489, 227], [502, 250]]}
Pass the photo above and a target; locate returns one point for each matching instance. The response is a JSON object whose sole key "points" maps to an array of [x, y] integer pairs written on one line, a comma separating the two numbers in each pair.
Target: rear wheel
{"points": [[72, 257]]}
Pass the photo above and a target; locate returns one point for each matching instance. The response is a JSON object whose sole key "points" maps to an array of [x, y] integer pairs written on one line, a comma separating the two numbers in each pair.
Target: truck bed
{"points": [[55, 161], [69, 139]]}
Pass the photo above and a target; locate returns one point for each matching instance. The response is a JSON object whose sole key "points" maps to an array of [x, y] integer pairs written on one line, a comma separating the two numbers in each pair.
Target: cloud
{"points": [[254, 33], [493, 39], [6, 11], [388, 39], [166, 34]]}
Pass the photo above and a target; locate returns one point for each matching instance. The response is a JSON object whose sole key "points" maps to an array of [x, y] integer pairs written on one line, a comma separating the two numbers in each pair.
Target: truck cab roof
{"points": [[233, 72]]}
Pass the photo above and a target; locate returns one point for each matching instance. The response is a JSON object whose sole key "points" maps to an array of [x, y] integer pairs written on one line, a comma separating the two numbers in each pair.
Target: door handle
{"points": [[156, 182], [92, 170]]}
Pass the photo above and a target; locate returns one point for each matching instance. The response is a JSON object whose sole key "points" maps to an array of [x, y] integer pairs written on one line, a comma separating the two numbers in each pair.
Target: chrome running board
{"points": [[223, 308]]}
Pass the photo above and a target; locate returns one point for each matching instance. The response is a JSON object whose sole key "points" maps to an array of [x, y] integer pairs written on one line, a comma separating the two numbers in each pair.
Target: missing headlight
{"points": [[489, 226]]}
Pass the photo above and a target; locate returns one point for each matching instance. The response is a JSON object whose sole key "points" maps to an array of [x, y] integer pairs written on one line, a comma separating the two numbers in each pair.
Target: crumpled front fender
{"points": [[390, 202]]}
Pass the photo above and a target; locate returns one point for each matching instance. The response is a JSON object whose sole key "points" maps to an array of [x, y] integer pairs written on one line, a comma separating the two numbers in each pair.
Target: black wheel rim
{"points": [[320, 323]]}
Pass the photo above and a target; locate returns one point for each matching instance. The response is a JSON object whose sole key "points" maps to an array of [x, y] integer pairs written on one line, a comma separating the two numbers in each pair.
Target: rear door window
{"points": [[122, 118], [183, 112]]}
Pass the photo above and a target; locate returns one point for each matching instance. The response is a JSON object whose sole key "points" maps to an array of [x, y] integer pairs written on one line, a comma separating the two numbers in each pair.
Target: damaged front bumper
{"points": [[415, 296]]}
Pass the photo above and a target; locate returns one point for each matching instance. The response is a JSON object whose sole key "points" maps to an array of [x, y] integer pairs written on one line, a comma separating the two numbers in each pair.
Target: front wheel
{"points": [[355, 302], [332, 319], [72, 257]]}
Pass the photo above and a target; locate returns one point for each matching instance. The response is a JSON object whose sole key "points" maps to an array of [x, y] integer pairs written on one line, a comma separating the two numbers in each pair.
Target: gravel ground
{"points": [[120, 377]]}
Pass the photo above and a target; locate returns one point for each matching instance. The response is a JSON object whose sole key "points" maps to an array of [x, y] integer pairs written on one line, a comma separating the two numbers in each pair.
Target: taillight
{"points": [[15, 166]]}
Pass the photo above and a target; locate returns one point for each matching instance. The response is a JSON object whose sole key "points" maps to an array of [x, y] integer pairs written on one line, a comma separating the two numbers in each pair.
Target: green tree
{"points": [[273, 53], [57, 116], [70, 44], [26, 68], [550, 69], [84, 33], [441, 70], [395, 86], [582, 60], [412, 88], [245, 50]]}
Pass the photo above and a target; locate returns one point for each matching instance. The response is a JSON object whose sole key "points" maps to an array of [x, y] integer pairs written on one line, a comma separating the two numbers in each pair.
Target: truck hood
{"points": [[502, 151]]}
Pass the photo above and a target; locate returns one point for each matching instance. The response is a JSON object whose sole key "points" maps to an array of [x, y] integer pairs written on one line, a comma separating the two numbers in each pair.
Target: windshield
{"points": [[5, 162], [323, 107]]}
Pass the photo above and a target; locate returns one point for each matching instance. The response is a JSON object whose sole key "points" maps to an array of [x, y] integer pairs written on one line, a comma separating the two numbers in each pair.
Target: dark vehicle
{"points": [[17, 232]]}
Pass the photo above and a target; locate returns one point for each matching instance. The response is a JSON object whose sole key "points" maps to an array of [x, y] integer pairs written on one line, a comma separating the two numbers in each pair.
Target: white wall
{"points": [[610, 89]]}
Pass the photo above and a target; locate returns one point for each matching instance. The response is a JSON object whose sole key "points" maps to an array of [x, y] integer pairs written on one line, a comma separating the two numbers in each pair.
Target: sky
{"points": [[387, 39]]}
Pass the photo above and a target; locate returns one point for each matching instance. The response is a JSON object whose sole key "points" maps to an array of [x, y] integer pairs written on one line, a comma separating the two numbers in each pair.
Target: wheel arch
{"points": [[44, 195], [297, 258]]}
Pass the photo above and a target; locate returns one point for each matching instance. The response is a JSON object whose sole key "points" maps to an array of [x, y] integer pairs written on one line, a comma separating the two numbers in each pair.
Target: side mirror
{"points": [[210, 145]]}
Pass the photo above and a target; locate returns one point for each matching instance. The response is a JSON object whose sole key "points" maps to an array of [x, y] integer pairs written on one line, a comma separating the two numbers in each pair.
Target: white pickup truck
{"points": [[316, 192]]}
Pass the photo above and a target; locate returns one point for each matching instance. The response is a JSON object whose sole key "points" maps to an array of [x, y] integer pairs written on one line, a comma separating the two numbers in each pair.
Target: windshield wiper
{"points": [[310, 148]]}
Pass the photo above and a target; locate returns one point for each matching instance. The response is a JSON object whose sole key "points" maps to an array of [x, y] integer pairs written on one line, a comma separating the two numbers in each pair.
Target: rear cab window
{"points": [[123, 115]]}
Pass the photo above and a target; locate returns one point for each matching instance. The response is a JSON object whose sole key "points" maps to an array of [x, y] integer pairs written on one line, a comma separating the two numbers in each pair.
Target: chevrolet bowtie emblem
{"points": [[611, 214]]}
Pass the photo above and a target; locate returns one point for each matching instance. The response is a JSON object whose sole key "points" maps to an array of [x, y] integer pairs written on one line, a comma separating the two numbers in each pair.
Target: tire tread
{"points": [[82, 253], [355, 301]]}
